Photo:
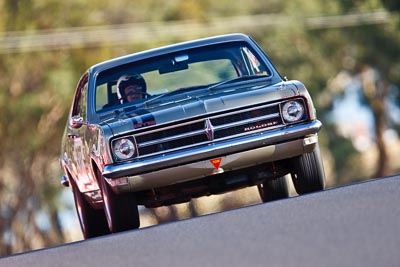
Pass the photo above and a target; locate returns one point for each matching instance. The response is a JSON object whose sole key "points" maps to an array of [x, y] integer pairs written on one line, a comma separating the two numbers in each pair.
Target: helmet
{"points": [[127, 80]]}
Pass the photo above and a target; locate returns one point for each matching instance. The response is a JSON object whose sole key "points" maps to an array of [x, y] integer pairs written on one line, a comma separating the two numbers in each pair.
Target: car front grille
{"points": [[209, 130]]}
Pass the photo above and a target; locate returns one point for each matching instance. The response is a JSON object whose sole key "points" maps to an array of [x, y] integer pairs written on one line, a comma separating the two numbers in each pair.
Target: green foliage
{"points": [[36, 88]]}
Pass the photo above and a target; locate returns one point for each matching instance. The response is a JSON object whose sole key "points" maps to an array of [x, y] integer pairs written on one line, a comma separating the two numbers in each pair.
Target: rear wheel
{"points": [[308, 172], [93, 222], [273, 189], [121, 209]]}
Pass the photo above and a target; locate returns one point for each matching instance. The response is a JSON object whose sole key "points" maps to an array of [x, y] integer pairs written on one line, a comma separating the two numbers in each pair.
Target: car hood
{"points": [[192, 105]]}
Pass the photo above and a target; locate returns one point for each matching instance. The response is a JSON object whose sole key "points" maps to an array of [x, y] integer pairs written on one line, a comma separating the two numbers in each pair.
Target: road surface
{"points": [[355, 225]]}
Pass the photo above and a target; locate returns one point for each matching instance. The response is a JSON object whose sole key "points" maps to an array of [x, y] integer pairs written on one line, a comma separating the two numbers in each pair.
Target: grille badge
{"points": [[209, 129]]}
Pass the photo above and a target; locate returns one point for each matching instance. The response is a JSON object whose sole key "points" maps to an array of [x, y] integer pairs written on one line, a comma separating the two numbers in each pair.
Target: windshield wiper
{"points": [[237, 79], [145, 103]]}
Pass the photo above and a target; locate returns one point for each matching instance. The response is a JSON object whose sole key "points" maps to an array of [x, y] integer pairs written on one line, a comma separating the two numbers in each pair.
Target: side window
{"points": [[80, 98], [82, 102], [254, 66]]}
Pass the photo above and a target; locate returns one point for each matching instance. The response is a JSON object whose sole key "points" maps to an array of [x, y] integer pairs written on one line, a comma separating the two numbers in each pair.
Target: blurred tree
{"points": [[36, 88], [317, 55], [391, 5], [375, 53]]}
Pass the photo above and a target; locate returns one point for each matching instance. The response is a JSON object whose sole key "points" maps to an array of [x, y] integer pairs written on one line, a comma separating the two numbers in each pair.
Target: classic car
{"points": [[212, 115]]}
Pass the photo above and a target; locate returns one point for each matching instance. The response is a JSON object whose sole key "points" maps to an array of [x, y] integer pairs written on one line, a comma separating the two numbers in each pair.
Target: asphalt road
{"points": [[356, 225]]}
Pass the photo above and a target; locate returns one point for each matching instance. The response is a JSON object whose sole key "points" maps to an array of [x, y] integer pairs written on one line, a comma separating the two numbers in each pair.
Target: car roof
{"points": [[168, 49]]}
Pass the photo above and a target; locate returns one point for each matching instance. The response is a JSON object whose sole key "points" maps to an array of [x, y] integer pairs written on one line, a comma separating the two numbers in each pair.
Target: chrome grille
{"points": [[208, 130]]}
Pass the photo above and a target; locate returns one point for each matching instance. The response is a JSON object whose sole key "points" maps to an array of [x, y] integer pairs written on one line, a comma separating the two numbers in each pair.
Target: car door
{"points": [[77, 143]]}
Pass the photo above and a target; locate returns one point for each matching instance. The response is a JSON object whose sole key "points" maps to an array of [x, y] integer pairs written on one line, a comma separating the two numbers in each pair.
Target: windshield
{"points": [[137, 82]]}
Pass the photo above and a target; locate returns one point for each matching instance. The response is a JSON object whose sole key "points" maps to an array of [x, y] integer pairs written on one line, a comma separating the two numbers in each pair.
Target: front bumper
{"points": [[195, 163]]}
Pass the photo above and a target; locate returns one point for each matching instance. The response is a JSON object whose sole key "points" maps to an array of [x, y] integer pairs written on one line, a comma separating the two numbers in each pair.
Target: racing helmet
{"points": [[130, 80]]}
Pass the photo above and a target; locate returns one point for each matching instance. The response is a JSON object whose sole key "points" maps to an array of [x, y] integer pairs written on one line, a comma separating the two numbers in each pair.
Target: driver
{"points": [[131, 88]]}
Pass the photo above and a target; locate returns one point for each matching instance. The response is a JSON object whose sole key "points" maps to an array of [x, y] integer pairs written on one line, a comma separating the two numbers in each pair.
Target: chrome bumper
{"points": [[292, 140]]}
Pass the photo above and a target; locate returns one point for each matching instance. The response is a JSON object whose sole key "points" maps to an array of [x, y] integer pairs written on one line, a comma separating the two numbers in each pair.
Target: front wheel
{"points": [[308, 172], [93, 222], [121, 209], [273, 189]]}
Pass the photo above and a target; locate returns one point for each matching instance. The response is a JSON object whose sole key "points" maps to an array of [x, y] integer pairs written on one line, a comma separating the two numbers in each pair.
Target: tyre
{"points": [[93, 222], [274, 189], [308, 172], [121, 210]]}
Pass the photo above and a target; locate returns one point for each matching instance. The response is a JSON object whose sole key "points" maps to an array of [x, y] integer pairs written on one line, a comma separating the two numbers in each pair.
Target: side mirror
{"points": [[76, 122]]}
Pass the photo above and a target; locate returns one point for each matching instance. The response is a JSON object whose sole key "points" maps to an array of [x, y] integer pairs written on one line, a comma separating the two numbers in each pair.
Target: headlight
{"points": [[123, 149], [293, 111]]}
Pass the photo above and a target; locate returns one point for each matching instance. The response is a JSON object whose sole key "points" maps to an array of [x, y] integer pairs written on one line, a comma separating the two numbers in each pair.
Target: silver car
{"points": [[192, 119]]}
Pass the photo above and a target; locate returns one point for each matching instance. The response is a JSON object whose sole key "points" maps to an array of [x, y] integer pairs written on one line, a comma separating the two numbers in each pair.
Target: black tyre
{"points": [[274, 189], [93, 222], [308, 172], [121, 209]]}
